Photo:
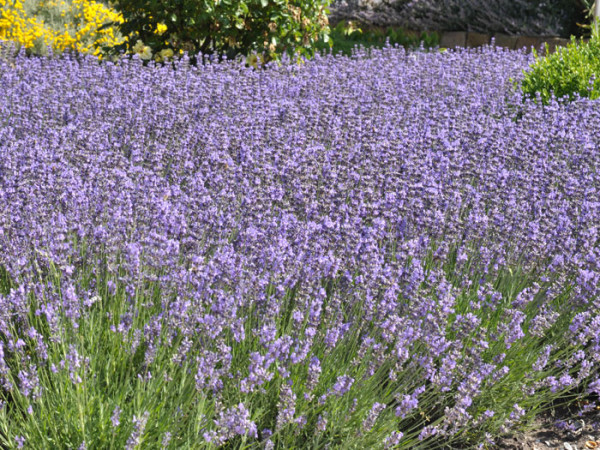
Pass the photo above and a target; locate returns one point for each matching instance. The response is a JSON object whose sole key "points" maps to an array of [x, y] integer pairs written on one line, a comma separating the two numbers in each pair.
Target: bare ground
{"points": [[582, 432]]}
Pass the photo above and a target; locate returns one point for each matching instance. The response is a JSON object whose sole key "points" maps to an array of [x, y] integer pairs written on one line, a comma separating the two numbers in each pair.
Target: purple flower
{"points": [[232, 422], [20, 440], [314, 372], [369, 421], [409, 402], [29, 383], [286, 406], [115, 417], [342, 385], [594, 386], [139, 426], [393, 439], [517, 413], [321, 425], [428, 431], [166, 439]]}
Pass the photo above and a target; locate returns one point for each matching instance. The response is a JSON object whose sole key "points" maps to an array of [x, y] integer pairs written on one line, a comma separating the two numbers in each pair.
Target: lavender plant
{"points": [[359, 252]]}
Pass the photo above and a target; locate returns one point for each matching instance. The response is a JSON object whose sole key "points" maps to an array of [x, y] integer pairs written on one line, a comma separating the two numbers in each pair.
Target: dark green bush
{"points": [[574, 69], [265, 28]]}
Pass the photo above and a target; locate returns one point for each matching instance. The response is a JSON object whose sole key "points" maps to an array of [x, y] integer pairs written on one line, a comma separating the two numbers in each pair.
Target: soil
{"points": [[544, 434]]}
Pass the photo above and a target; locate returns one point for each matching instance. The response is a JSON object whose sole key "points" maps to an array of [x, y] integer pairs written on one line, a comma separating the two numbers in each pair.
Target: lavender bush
{"points": [[363, 252]]}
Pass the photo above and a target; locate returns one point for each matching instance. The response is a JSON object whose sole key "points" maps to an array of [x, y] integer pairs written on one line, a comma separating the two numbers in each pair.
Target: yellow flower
{"points": [[252, 60], [147, 53], [144, 51], [161, 28], [166, 53], [138, 47]]}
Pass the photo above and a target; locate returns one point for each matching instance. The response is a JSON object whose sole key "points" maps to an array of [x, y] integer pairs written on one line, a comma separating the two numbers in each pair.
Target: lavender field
{"points": [[389, 250]]}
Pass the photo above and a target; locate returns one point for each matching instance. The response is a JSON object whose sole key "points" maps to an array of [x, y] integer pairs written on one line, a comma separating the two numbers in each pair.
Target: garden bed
{"points": [[390, 250]]}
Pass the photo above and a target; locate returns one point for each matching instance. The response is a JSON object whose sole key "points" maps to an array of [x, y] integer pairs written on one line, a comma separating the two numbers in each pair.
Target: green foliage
{"points": [[572, 70], [347, 34], [5, 282], [266, 29]]}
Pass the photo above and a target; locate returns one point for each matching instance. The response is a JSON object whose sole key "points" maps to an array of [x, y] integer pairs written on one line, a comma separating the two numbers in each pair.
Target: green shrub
{"points": [[346, 35], [572, 70], [264, 29]]}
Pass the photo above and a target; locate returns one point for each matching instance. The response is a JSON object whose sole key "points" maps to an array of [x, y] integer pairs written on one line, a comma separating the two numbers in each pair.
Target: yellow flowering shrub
{"points": [[59, 24]]}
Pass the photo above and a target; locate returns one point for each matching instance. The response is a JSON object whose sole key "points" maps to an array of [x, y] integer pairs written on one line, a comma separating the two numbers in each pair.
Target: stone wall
{"points": [[382, 13], [511, 17], [374, 12]]}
